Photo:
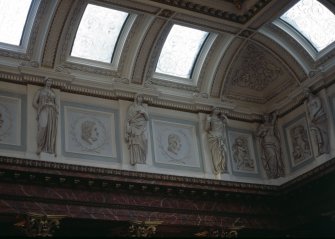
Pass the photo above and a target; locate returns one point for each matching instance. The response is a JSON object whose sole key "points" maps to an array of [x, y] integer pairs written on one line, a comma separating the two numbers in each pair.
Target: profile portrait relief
{"points": [[174, 144], [89, 132]]}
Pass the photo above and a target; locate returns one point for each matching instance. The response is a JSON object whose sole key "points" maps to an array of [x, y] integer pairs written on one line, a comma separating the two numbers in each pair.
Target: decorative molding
{"points": [[172, 84], [281, 36], [166, 13], [112, 176], [209, 55], [155, 52], [90, 69], [115, 94], [218, 13], [129, 41], [322, 60], [72, 24], [76, 174], [56, 29], [144, 58], [223, 67]]}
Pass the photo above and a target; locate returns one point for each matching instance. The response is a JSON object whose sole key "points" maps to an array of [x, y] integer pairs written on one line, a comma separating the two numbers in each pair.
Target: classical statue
{"points": [[136, 131], [47, 114], [318, 122], [215, 127], [270, 145]]}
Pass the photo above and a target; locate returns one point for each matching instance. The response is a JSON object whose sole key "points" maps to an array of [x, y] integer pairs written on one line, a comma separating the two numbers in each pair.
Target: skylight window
{"points": [[180, 51], [314, 21], [13, 17], [98, 33]]}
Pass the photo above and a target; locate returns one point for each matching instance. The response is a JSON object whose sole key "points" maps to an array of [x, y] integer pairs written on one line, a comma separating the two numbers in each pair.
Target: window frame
{"points": [[27, 30], [198, 62], [301, 39], [119, 46]]}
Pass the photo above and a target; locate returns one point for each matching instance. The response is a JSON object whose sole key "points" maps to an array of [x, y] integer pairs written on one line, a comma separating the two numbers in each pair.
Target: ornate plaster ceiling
{"points": [[251, 66]]}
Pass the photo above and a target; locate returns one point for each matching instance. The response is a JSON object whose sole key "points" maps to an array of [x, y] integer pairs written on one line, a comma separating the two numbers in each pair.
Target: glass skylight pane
{"points": [[98, 32], [13, 16], [314, 21], [180, 51]]}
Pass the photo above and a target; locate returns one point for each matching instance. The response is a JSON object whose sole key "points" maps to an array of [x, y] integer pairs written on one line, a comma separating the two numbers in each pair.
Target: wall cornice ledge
{"points": [[119, 89], [54, 172], [129, 180]]}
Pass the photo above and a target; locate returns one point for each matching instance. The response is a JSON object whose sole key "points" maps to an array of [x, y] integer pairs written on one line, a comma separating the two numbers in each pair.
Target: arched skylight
{"points": [[180, 51], [314, 21], [98, 33], [13, 17]]}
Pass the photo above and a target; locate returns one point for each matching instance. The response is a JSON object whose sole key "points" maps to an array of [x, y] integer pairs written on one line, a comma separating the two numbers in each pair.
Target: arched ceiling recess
{"points": [[249, 58]]}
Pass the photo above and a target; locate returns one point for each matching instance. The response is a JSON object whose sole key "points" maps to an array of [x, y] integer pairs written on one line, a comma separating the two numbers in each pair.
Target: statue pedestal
{"points": [[140, 166], [47, 157]]}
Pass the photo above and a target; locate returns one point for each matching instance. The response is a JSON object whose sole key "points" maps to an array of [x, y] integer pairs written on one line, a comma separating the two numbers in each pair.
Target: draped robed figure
{"points": [[215, 127], [136, 131], [47, 113]]}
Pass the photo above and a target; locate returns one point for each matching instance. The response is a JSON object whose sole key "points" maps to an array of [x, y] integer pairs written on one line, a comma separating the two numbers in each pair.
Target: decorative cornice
{"points": [[90, 69], [116, 94], [79, 176], [87, 175], [175, 85], [215, 12]]}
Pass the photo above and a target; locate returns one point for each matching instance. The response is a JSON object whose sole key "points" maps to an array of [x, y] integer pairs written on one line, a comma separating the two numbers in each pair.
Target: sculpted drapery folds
{"points": [[215, 127], [136, 131], [270, 144], [318, 122], [47, 114]]}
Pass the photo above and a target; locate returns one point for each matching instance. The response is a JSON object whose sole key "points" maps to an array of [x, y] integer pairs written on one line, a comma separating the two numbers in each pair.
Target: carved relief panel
{"points": [[12, 121], [176, 144], [298, 142], [90, 132]]}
